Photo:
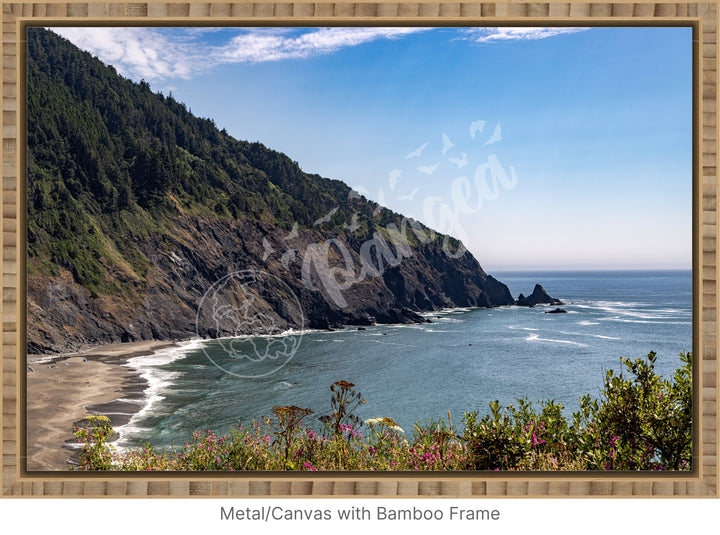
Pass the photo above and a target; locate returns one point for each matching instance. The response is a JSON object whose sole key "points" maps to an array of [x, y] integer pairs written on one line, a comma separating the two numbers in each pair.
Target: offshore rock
{"points": [[538, 296]]}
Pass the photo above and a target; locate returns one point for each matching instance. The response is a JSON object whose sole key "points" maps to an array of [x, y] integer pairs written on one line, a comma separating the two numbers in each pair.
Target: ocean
{"points": [[460, 362]]}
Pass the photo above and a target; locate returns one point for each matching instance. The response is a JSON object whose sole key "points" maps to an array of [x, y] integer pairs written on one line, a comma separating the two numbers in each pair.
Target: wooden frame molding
{"points": [[702, 481]]}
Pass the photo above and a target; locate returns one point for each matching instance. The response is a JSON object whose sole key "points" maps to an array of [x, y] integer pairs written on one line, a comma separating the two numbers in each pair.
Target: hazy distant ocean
{"points": [[460, 362]]}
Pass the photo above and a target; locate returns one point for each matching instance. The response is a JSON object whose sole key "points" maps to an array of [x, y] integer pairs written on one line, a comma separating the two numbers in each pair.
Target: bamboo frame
{"points": [[702, 481]]}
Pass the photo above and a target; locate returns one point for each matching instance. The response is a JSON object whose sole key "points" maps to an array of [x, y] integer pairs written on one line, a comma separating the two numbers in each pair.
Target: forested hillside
{"points": [[135, 207]]}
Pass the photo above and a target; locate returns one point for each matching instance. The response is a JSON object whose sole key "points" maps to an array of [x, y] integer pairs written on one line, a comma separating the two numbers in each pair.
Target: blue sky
{"points": [[542, 148]]}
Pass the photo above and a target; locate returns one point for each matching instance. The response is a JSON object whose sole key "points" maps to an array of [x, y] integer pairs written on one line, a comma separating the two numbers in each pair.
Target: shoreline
{"points": [[64, 389]]}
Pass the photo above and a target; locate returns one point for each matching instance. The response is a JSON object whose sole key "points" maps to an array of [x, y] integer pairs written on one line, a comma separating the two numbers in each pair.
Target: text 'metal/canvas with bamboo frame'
{"points": [[702, 17]]}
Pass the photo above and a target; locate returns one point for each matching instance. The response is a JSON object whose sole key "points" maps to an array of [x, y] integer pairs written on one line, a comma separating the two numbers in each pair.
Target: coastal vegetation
{"points": [[641, 421], [136, 207]]}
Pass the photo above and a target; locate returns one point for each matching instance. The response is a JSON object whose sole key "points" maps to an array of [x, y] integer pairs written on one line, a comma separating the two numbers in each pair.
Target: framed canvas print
{"points": [[363, 253]]}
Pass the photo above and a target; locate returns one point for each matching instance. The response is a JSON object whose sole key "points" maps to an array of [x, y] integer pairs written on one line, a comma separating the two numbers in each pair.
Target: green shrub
{"points": [[641, 422], [95, 453]]}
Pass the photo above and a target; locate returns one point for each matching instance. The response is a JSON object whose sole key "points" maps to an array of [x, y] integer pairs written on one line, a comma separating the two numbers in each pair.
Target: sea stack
{"points": [[538, 296]]}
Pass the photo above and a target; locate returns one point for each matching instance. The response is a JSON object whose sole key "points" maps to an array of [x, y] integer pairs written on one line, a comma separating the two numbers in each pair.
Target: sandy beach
{"points": [[62, 390]]}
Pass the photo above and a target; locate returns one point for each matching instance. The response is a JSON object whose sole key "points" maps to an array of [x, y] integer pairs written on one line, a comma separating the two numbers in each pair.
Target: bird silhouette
{"points": [[417, 151], [287, 257], [326, 217], [447, 144], [395, 175], [380, 203], [476, 126], [268, 250], [428, 169], [496, 136], [460, 162], [354, 225], [409, 197], [293, 233]]}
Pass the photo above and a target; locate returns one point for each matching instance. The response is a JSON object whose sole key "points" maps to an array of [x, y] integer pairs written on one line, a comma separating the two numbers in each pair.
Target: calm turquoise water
{"points": [[463, 360]]}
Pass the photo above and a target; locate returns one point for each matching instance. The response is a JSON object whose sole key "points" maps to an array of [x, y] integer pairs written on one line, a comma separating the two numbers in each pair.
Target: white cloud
{"points": [[158, 55], [264, 46], [495, 35], [162, 54], [138, 52]]}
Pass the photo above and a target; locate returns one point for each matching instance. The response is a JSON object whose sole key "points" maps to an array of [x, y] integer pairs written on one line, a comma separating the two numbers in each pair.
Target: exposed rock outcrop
{"points": [[199, 252], [537, 297], [148, 223]]}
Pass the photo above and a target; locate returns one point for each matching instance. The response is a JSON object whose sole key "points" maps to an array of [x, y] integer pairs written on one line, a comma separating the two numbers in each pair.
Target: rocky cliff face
{"points": [[320, 280], [146, 222]]}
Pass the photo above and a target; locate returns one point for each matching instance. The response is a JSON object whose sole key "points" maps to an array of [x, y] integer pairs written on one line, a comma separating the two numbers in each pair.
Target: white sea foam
{"points": [[678, 311], [604, 337], [536, 338], [625, 320], [426, 328], [392, 343], [585, 322], [645, 315], [457, 310], [158, 380], [450, 320], [516, 327], [641, 311], [610, 305]]}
